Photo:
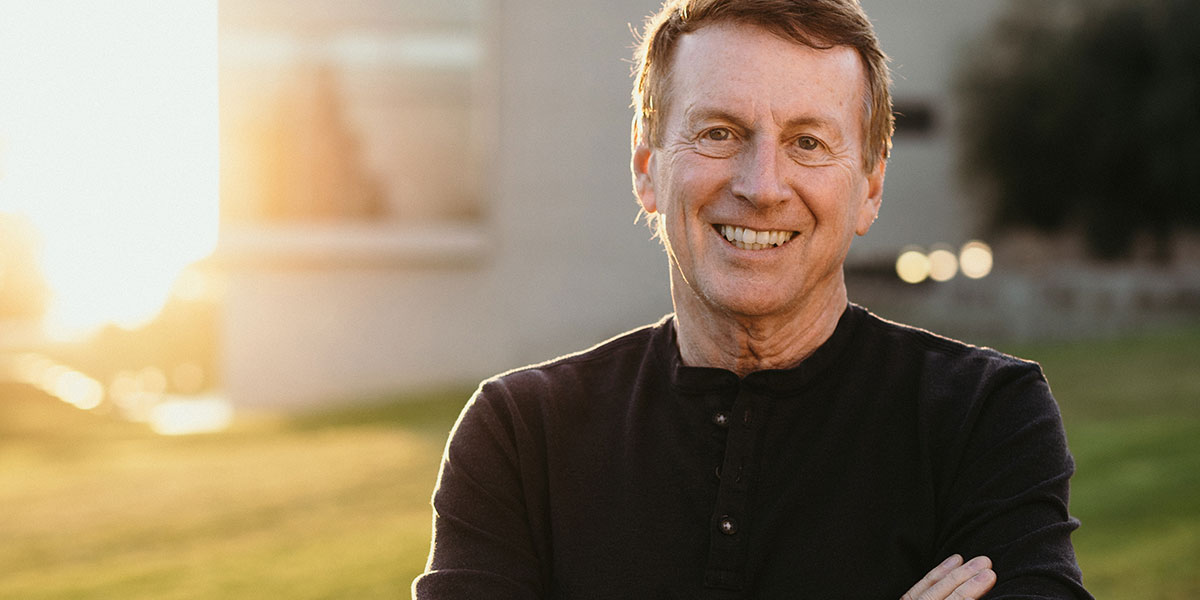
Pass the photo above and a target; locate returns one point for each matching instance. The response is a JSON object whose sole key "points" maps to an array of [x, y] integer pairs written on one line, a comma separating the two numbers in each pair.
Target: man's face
{"points": [[766, 135]]}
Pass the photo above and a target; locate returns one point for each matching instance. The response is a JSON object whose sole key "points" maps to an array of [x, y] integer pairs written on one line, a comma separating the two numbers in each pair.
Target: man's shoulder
{"points": [[611, 360], [917, 346], [958, 386]]}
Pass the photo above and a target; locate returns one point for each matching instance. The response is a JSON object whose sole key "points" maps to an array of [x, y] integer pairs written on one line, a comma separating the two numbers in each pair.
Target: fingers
{"points": [[975, 587], [931, 578], [953, 580]]}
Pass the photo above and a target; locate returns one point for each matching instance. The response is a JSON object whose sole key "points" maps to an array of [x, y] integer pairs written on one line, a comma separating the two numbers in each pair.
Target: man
{"points": [[769, 439]]}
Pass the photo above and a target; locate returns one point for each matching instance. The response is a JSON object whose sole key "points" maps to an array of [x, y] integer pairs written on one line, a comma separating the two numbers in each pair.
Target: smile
{"points": [[748, 239]]}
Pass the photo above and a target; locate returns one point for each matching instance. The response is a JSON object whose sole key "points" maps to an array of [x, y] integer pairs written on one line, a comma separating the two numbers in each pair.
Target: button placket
{"points": [[727, 548], [721, 417]]}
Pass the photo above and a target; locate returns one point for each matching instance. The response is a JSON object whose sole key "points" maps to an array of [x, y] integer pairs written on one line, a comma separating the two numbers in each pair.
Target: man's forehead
{"points": [[727, 39], [732, 63]]}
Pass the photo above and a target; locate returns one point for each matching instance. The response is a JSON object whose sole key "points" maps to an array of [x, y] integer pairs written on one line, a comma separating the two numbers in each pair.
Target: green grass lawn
{"points": [[335, 505]]}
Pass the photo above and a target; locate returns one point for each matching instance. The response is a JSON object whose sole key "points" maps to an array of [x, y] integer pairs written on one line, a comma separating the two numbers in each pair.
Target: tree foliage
{"points": [[1087, 113]]}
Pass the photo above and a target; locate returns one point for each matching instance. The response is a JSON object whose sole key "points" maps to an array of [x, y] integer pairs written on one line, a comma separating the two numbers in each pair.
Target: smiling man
{"points": [[769, 439], [759, 179]]}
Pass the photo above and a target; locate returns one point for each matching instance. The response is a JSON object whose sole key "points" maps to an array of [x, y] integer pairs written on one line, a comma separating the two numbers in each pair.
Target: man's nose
{"points": [[760, 177]]}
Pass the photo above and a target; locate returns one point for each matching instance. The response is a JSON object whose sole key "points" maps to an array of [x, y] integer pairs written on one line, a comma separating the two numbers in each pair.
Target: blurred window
{"points": [[914, 117], [349, 112]]}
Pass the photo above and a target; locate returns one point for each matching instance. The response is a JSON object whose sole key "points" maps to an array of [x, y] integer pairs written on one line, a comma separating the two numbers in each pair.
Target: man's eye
{"points": [[719, 134], [806, 142]]}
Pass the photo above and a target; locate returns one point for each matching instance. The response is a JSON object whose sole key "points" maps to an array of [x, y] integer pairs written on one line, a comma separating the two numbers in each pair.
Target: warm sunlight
{"points": [[108, 144]]}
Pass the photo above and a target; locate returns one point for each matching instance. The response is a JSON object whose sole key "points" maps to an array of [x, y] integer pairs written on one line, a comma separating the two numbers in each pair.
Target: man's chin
{"points": [[749, 303]]}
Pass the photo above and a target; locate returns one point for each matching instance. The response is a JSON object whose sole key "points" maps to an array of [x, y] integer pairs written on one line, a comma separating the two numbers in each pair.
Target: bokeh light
{"points": [[79, 390], [137, 393], [152, 380], [123, 385], [191, 416], [943, 264], [975, 259], [60, 381], [912, 266]]}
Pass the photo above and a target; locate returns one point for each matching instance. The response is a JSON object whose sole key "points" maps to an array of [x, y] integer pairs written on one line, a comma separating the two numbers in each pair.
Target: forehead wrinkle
{"points": [[697, 112], [804, 122]]}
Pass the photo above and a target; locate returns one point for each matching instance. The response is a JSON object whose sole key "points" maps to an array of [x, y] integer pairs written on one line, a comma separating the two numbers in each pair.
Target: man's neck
{"points": [[744, 344]]}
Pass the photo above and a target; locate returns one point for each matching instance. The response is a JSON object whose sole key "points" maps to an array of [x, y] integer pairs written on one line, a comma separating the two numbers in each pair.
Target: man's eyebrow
{"points": [[694, 114], [818, 122]]}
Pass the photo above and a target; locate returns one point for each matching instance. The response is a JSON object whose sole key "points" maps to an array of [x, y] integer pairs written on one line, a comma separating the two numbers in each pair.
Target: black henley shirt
{"points": [[621, 473]]}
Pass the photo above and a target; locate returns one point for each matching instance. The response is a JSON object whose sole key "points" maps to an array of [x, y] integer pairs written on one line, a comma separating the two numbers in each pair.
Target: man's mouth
{"points": [[750, 239]]}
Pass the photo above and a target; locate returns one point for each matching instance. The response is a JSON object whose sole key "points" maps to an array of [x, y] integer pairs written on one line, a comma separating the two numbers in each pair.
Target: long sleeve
{"points": [[1004, 492], [482, 543]]}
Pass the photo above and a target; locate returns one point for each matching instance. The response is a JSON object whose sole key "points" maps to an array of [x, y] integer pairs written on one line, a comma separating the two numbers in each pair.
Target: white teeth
{"points": [[749, 239]]}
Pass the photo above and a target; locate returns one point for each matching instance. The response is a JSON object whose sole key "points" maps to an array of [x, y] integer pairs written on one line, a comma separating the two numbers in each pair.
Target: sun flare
{"points": [[108, 145]]}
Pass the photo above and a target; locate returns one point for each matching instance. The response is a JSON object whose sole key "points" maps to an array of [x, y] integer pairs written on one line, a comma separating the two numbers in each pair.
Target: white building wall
{"points": [[302, 337], [557, 264], [573, 267]]}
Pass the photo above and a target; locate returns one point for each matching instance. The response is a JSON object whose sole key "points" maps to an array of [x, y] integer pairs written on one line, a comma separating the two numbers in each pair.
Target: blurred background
{"points": [[255, 254]]}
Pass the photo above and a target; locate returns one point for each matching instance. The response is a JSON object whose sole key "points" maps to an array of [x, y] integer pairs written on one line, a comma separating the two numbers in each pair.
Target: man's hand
{"points": [[952, 580]]}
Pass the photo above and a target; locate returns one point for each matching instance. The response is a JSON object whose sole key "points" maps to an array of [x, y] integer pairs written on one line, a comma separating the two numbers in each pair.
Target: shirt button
{"points": [[728, 526], [721, 419]]}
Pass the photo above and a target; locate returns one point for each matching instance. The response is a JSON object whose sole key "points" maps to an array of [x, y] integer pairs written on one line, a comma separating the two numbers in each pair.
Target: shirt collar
{"points": [[711, 379]]}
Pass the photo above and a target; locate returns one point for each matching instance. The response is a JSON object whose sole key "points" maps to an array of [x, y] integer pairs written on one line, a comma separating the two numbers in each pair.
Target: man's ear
{"points": [[869, 210], [643, 169]]}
